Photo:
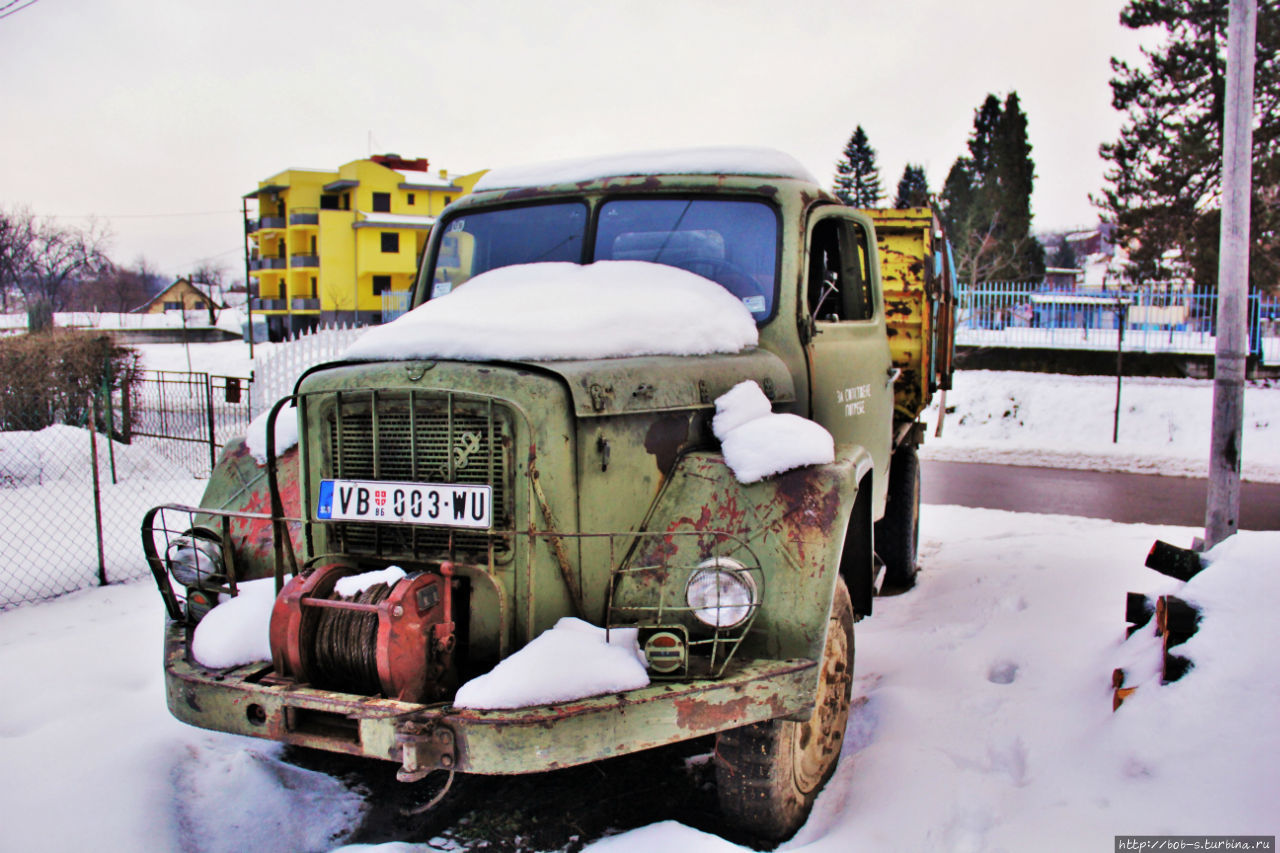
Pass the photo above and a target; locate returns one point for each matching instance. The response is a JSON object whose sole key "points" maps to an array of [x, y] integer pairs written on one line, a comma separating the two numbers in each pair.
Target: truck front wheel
{"points": [[768, 774], [898, 533]]}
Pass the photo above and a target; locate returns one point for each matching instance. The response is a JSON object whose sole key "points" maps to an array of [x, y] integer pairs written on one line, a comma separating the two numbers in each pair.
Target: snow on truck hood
{"points": [[724, 160], [561, 311]]}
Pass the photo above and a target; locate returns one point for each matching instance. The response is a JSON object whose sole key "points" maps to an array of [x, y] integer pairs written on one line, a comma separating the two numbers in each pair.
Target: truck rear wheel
{"points": [[898, 533], [768, 774]]}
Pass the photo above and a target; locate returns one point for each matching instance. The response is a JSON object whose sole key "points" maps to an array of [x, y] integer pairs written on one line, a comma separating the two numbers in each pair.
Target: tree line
{"points": [[1163, 188], [47, 266], [985, 200]]}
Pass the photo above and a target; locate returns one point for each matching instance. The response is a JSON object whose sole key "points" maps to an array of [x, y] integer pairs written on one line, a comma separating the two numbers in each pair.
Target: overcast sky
{"points": [[158, 115]]}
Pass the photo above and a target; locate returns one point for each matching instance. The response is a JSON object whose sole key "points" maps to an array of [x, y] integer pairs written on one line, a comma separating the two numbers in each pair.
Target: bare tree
{"points": [[57, 260], [115, 288], [210, 278], [17, 234]]}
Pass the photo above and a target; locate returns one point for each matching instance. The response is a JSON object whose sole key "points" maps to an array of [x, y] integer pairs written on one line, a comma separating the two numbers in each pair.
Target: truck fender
{"points": [[793, 524]]}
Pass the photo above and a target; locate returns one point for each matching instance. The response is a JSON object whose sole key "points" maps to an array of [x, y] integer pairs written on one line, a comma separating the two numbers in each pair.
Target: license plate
{"points": [[444, 504]]}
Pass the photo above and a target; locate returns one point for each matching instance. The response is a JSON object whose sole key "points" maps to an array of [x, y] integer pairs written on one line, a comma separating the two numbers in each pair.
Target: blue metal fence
{"points": [[1153, 318]]}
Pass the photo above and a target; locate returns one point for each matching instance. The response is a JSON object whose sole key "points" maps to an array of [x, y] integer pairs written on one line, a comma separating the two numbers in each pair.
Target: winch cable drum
{"points": [[345, 644], [396, 639]]}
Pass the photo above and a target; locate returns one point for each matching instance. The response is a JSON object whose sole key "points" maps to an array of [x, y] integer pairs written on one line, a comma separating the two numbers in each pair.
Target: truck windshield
{"points": [[485, 240], [733, 243]]}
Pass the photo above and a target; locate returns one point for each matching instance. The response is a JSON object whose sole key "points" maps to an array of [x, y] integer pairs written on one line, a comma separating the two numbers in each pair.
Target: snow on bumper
{"points": [[428, 737]]}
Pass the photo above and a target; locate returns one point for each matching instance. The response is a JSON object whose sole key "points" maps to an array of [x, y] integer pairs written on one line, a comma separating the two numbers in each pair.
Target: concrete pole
{"points": [[1222, 514]]}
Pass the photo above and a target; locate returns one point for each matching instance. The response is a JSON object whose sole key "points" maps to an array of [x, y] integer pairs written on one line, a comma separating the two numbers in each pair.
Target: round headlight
{"points": [[193, 558], [721, 593]]}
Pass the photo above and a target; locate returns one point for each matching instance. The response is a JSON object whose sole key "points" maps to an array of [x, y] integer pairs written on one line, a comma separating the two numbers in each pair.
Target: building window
{"points": [[381, 283], [329, 201], [448, 199], [382, 202], [390, 241], [410, 198], [199, 306], [172, 306]]}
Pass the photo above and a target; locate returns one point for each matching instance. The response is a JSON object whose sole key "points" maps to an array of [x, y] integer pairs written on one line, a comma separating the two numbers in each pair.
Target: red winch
{"points": [[394, 639]]}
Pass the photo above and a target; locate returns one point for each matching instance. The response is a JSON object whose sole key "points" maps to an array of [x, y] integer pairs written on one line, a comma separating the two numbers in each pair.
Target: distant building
{"points": [[182, 295], [328, 244]]}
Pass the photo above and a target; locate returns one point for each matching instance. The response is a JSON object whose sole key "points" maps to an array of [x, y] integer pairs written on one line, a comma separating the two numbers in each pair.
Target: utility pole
{"points": [[1222, 514], [248, 286]]}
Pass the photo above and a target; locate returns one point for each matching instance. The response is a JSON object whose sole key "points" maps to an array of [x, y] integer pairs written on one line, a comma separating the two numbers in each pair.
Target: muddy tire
{"points": [[897, 535], [768, 774]]}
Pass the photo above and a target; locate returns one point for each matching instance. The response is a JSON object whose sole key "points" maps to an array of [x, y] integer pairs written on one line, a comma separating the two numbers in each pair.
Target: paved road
{"points": [[1130, 498]]}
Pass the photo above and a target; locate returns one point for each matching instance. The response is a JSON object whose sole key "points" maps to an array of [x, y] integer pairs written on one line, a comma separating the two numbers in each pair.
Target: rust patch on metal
{"points": [[255, 537], [698, 715], [809, 505], [897, 308]]}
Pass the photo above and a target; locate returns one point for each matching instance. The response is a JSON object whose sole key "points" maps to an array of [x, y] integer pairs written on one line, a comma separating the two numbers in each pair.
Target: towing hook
{"points": [[424, 749]]}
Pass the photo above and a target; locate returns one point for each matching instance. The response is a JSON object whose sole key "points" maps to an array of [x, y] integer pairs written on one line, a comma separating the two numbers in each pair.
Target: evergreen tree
{"points": [[857, 181], [1166, 168], [986, 199], [913, 188]]}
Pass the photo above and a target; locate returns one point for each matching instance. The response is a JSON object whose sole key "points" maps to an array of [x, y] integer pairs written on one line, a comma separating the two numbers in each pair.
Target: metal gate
{"points": [[193, 413]]}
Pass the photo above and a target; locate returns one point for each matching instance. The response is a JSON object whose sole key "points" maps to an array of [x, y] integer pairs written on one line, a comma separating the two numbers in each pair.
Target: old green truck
{"points": [[453, 495]]}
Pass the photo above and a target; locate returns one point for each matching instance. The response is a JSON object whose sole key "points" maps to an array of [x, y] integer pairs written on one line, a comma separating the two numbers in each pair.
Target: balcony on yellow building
{"points": [[302, 216]]}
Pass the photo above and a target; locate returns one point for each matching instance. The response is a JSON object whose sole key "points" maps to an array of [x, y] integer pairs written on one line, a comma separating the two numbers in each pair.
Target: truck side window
{"points": [[839, 285], [857, 292], [825, 300]]}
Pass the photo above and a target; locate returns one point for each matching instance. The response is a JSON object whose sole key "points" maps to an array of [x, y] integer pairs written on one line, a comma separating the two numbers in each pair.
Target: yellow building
{"points": [[339, 245]]}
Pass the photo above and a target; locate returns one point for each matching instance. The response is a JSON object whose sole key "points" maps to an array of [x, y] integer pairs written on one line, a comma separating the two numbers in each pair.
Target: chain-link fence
{"points": [[71, 497]]}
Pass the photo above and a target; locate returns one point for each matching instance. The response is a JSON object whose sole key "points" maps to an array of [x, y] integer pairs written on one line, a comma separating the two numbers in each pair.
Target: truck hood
{"points": [[615, 386]]}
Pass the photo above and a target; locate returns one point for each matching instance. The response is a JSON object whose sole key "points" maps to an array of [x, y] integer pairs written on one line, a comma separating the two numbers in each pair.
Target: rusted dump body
{"points": [[248, 702], [917, 271]]}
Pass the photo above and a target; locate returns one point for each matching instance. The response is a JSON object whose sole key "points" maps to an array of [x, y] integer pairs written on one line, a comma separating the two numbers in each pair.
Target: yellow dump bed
{"points": [[918, 275]]}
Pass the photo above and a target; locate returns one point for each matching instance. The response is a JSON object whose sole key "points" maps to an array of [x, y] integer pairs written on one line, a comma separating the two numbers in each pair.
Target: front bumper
{"points": [[423, 738]]}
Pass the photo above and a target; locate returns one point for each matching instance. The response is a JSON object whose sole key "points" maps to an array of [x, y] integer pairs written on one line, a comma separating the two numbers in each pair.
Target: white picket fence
{"points": [[275, 374]]}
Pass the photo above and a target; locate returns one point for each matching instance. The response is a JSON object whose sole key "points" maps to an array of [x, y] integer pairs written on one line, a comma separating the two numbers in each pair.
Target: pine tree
{"points": [[986, 198], [857, 181], [1165, 176], [913, 188]]}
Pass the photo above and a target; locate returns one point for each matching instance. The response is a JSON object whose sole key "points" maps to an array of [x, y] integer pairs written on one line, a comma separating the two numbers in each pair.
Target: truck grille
{"points": [[414, 436]]}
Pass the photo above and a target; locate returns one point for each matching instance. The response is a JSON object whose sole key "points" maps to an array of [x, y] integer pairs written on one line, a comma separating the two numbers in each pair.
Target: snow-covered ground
{"points": [[1067, 422], [982, 714]]}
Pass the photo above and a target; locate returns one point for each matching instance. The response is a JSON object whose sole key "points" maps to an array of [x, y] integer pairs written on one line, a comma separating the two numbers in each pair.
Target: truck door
{"points": [[850, 370]]}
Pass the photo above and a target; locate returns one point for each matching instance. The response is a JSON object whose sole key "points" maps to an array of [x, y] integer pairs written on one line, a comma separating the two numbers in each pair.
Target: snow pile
{"points": [[549, 311], [758, 443], [1066, 421], [286, 433], [727, 160], [982, 699], [353, 585], [237, 631], [245, 799], [573, 660], [142, 780], [62, 453]]}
